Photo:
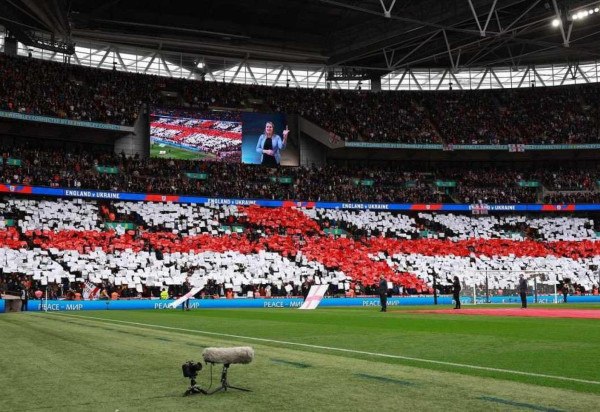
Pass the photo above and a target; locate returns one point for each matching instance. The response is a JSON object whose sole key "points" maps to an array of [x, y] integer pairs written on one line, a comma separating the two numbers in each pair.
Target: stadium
{"points": [[300, 205]]}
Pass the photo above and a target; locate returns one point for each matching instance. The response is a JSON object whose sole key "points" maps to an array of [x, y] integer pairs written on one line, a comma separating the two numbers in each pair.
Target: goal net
{"points": [[502, 286]]}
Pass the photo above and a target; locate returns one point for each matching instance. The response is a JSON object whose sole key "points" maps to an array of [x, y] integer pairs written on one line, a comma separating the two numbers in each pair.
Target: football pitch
{"points": [[327, 359], [178, 153]]}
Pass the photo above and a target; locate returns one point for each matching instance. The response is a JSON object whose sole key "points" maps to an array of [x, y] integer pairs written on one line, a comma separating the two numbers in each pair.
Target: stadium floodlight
{"points": [[578, 14]]}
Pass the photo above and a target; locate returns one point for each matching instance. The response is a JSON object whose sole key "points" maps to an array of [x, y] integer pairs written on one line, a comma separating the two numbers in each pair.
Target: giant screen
{"points": [[215, 136], [219, 136], [253, 142]]}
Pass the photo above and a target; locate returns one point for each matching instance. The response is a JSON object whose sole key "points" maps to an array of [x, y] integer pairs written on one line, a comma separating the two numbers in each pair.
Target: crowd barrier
{"points": [[273, 303], [542, 299], [150, 197]]}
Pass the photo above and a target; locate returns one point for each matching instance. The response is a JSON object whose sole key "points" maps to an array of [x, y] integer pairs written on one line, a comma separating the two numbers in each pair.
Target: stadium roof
{"points": [[377, 36]]}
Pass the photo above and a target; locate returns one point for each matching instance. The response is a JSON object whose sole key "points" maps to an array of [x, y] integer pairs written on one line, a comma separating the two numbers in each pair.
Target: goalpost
{"points": [[501, 286]]}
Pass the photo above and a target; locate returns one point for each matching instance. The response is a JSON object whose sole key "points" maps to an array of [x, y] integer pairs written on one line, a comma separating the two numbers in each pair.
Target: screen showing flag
{"points": [[213, 136]]}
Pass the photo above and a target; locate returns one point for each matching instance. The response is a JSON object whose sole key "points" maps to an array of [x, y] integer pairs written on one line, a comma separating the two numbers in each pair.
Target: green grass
{"points": [[327, 359], [178, 153]]}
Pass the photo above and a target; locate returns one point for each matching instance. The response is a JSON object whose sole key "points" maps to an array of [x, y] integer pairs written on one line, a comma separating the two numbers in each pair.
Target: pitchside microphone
{"points": [[228, 356]]}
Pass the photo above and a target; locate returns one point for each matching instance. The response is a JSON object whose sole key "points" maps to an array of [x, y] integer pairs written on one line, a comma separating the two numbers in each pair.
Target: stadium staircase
{"points": [[433, 124]]}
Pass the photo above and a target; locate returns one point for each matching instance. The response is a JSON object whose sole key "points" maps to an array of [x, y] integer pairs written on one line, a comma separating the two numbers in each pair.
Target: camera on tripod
{"points": [[224, 356], [190, 369]]}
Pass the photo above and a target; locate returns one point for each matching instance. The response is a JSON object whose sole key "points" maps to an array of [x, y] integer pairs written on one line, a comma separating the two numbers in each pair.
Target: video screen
{"points": [[264, 140], [212, 136]]}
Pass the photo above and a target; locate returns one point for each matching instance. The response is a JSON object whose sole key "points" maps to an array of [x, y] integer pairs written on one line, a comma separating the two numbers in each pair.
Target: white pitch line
{"points": [[330, 348]]}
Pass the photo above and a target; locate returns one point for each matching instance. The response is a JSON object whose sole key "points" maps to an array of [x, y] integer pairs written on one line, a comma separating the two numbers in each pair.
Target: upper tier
{"points": [[532, 116]]}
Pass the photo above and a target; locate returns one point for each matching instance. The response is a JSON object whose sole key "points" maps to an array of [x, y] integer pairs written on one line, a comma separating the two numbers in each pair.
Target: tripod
{"points": [[225, 384], [194, 389]]}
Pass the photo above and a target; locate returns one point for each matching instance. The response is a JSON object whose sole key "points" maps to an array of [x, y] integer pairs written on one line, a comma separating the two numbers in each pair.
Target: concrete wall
{"points": [[137, 142]]}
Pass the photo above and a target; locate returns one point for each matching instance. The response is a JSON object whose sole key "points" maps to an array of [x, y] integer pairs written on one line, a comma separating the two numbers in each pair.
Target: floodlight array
{"points": [[584, 13]]}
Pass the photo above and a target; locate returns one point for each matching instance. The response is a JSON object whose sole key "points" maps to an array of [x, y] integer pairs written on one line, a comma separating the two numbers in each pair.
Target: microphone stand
{"points": [[224, 383]]}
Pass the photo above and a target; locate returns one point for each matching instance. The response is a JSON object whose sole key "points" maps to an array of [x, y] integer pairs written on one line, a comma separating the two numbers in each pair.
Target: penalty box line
{"points": [[334, 349]]}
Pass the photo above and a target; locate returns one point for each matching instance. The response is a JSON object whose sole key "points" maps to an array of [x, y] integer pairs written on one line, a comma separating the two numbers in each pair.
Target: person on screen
{"points": [[270, 145]]}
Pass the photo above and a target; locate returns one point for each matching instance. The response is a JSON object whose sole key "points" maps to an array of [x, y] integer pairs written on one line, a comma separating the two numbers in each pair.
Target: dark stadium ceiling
{"points": [[377, 35]]}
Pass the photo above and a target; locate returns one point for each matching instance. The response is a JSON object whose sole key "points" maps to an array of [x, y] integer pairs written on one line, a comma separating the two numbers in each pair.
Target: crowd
{"points": [[554, 115], [572, 197], [471, 118], [568, 179], [35, 87], [520, 116], [42, 164], [17, 284], [276, 251]]}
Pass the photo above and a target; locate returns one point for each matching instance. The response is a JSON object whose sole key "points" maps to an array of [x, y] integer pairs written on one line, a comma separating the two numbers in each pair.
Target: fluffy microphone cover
{"points": [[239, 354]]}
